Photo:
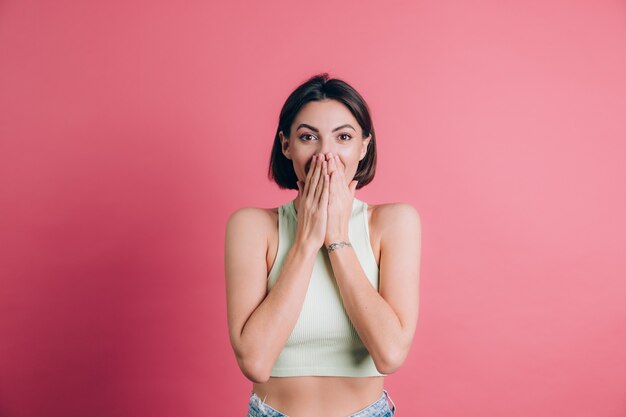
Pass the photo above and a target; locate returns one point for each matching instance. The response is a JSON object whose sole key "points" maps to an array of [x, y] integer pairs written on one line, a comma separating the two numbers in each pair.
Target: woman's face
{"points": [[325, 126]]}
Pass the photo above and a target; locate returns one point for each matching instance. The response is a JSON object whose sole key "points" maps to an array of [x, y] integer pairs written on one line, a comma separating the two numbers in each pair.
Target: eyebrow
{"points": [[317, 130]]}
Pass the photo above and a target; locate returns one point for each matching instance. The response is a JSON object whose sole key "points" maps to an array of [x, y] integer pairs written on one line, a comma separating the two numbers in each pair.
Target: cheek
{"points": [[350, 161]]}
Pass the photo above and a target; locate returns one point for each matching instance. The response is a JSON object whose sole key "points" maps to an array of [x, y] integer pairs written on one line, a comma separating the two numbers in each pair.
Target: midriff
{"points": [[313, 396]]}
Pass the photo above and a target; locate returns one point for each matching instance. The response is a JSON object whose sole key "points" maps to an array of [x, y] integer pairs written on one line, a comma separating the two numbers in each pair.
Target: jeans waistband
{"points": [[393, 405], [260, 403]]}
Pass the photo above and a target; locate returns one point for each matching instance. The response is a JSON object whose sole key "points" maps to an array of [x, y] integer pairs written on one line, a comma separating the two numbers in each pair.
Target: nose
{"points": [[326, 147]]}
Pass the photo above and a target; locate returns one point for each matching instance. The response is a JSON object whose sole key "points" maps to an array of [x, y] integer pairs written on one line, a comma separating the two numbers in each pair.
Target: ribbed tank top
{"points": [[324, 341]]}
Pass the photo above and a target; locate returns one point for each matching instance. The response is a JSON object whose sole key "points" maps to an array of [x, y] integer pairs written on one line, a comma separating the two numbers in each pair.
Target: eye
{"points": [[345, 134], [302, 137]]}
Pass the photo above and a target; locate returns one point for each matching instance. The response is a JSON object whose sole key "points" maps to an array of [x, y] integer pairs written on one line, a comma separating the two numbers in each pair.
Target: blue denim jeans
{"points": [[380, 408]]}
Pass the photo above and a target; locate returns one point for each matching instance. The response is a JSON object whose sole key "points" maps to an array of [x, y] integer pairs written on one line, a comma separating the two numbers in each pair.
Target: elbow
{"points": [[249, 363], [253, 369], [392, 361], [387, 367]]}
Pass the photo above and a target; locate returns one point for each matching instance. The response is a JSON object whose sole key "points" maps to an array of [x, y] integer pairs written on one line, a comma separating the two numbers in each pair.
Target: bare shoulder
{"points": [[393, 217], [254, 220]]}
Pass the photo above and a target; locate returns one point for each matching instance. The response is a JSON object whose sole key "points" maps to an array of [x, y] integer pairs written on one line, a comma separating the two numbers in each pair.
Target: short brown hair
{"points": [[316, 88]]}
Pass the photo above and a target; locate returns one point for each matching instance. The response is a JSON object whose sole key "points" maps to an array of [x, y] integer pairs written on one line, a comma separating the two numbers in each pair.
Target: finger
{"points": [[341, 170], [309, 174], [340, 166], [320, 185], [326, 191], [334, 182], [315, 179], [332, 185], [331, 166]]}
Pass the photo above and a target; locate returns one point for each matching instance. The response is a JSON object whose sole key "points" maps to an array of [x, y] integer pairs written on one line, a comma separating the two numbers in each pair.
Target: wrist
{"points": [[337, 241], [337, 245], [336, 237], [305, 247]]}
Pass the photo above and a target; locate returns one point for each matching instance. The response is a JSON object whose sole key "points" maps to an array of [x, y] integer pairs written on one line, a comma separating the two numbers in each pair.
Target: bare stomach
{"points": [[312, 396]]}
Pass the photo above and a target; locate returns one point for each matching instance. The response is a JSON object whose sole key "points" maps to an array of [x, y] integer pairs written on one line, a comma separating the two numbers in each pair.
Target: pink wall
{"points": [[130, 130]]}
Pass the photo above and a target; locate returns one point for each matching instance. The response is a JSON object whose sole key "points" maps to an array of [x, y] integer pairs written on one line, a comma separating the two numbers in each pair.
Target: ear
{"points": [[366, 142], [284, 145]]}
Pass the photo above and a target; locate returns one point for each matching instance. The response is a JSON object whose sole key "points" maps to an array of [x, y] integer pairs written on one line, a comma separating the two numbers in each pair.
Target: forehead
{"points": [[325, 114]]}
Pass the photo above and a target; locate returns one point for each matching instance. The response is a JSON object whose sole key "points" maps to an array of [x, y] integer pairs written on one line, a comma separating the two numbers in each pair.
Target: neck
{"points": [[296, 203]]}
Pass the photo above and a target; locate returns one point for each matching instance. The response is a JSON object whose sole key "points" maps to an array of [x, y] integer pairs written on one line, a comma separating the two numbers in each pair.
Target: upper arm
{"points": [[400, 247], [245, 268]]}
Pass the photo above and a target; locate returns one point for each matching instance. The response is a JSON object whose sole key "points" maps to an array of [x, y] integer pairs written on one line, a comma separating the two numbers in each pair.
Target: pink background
{"points": [[130, 130]]}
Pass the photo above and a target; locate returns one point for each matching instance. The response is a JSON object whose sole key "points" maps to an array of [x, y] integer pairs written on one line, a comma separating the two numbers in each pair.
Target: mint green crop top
{"points": [[324, 341]]}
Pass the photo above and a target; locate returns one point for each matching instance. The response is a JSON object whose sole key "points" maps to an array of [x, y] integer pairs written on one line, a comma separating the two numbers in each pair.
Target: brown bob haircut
{"points": [[316, 88]]}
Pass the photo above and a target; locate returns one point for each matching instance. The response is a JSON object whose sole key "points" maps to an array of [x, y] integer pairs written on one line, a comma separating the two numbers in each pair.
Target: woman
{"points": [[323, 291]]}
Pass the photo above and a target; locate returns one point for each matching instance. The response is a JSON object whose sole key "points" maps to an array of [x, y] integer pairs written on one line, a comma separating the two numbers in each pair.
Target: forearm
{"points": [[265, 333], [375, 321]]}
